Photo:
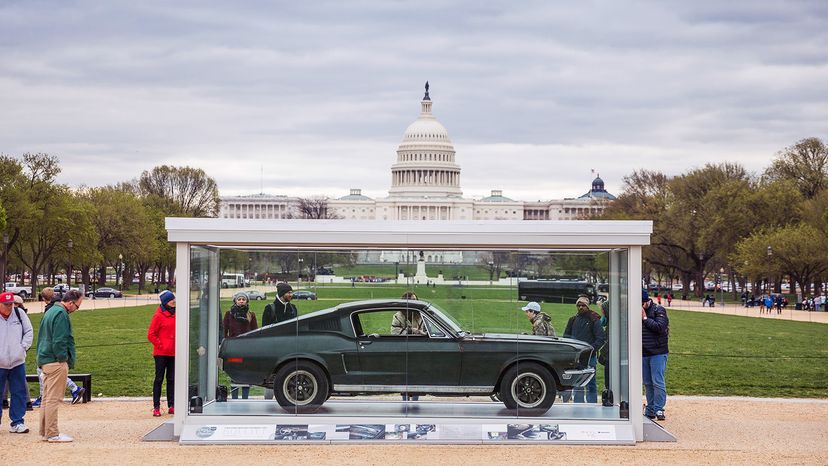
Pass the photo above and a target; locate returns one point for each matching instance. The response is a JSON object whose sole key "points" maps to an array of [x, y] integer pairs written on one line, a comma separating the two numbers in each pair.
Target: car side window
{"points": [[433, 330], [388, 323]]}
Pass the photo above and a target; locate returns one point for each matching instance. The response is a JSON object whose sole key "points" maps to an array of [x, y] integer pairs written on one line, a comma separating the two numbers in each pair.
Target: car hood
{"points": [[525, 339]]}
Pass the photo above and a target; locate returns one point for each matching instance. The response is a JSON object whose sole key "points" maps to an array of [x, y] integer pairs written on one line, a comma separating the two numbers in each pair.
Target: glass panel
{"points": [[468, 334]]}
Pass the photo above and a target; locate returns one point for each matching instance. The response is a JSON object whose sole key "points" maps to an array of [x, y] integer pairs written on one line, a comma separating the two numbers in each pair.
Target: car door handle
{"points": [[363, 342]]}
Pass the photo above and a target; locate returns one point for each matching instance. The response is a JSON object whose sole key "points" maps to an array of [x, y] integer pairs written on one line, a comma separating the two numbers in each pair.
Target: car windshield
{"points": [[448, 320]]}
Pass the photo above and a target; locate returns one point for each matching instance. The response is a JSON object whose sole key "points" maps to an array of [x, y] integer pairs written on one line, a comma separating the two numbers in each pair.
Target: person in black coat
{"points": [[586, 326], [655, 332], [281, 309]]}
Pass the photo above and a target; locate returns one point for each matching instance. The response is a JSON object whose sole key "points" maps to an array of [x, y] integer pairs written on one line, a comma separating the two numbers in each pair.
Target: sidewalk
{"points": [[739, 310], [709, 431]]}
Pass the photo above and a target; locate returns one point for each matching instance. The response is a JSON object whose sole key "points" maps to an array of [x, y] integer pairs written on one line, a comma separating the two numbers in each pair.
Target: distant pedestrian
{"points": [[655, 331], [55, 356], [16, 336], [161, 334], [669, 299]]}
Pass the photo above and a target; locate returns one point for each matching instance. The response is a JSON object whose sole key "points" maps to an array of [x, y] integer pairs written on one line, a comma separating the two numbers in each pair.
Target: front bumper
{"points": [[577, 377]]}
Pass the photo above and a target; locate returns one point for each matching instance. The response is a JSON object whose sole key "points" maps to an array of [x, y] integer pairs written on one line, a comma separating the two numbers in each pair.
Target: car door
{"points": [[394, 361]]}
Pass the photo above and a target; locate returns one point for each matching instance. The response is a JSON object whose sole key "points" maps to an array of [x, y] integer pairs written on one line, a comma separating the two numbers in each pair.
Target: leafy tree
{"points": [[184, 191], [805, 163], [798, 250]]}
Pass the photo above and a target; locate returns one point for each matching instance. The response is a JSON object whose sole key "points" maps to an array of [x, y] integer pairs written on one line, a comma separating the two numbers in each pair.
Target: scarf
{"points": [[239, 312]]}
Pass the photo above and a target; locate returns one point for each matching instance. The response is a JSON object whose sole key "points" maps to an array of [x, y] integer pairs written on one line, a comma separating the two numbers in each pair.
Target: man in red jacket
{"points": [[162, 336]]}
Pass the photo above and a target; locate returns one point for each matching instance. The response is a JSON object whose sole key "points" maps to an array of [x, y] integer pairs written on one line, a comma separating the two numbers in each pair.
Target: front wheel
{"points": [[301, 387], [111, 295], [528, 386]]}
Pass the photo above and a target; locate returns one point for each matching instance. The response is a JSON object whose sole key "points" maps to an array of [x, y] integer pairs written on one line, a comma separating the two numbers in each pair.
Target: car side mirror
{"points": [[373, 335]]}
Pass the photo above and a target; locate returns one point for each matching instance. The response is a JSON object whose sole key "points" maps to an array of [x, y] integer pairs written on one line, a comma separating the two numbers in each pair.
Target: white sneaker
{"points": [[60, 438], [19, 429]]}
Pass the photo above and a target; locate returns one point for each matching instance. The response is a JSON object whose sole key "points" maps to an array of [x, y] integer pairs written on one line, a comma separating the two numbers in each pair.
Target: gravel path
{"points": [[710, 431]]}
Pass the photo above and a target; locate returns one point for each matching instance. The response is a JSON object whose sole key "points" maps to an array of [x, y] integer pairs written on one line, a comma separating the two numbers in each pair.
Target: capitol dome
{"points": [[425, 165]]}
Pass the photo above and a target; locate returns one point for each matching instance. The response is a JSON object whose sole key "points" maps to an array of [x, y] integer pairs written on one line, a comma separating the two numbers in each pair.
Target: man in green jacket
{"points": [[55, 356]]}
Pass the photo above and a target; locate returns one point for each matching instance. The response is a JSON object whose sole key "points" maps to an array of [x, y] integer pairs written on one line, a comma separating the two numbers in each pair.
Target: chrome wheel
{"points": [[528, 390], [300, 387]]}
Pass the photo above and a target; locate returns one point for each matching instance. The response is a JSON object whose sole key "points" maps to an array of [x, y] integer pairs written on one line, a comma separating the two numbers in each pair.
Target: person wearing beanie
{"points": [[585, 325], [281, 309], [541, 322], [239, 319], [655, 332], [161, 334]]}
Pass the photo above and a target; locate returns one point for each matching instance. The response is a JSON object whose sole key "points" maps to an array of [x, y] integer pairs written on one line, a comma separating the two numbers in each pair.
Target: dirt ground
{"points": [[710, 431]]}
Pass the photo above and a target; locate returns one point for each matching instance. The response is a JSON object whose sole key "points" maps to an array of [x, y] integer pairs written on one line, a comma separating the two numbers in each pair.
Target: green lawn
{"points": [[710, 354]]}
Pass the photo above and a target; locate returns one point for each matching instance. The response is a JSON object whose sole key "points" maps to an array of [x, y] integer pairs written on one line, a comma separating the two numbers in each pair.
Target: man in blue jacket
{"points": [[586, 326], [655, 331]]}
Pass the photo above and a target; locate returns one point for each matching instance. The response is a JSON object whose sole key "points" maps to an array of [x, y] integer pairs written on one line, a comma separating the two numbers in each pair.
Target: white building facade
{"points": [[425, 185]]}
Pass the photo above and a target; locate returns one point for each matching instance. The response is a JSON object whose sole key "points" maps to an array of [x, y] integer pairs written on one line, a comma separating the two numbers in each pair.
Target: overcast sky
{"points": [[308, 98]]}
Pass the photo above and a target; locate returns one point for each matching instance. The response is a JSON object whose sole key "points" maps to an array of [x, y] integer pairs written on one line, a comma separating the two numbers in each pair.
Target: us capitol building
{"points": [[425, 185]]}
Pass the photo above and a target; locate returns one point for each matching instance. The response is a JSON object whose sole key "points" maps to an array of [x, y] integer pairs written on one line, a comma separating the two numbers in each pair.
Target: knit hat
{"points": [[533, 306], [166, 296], [644, 296], [282, 288], [582, 300], [18, 300]]}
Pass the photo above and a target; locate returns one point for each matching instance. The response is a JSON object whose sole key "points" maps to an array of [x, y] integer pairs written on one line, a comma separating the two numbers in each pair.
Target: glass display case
{"points": [[487, 331]]}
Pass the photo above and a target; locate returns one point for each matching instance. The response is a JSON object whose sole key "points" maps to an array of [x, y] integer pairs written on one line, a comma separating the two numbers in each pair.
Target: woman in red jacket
{"points": [[162, 336]]}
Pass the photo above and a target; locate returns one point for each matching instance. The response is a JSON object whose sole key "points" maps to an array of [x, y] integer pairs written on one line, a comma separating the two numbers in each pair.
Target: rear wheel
{"points": [[301, 387], [528, 386], [23, 294], [111, 295]]}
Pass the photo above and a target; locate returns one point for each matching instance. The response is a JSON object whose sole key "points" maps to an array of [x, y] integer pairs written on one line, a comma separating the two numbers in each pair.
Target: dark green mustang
{"points": [[353, 349]]}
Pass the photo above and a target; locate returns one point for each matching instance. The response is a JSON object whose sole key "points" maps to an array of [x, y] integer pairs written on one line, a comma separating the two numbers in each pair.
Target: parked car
{"points": [[22, 291], [350, 350], [62, 288], [252, 295], [302, 294], [105, 292]]}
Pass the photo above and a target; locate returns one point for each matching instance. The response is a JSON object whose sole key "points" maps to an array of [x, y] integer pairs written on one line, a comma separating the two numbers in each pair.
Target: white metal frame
{"points": [[460, 235]]}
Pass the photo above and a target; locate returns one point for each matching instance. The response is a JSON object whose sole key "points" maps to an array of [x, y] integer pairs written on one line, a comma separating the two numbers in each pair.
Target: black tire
{"points": [[111, 295], [23, 294], [300, 387], [528, 387]]}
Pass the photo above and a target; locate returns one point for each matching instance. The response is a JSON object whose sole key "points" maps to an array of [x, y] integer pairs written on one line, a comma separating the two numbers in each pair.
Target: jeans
{"points": [[652, 370], [16, 377], [591, 388], [163, 364]]}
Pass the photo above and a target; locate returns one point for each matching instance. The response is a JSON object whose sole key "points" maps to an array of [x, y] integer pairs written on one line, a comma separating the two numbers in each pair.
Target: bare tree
{"points": [[314, 208], [190, 191]]}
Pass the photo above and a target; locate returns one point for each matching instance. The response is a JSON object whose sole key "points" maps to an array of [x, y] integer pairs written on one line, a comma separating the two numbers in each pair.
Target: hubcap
{"points": [[528, 390], [300, 387]]}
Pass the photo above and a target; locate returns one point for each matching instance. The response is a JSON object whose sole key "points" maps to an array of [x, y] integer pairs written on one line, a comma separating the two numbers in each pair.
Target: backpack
{"points": [[22, 330], [269, 315]]}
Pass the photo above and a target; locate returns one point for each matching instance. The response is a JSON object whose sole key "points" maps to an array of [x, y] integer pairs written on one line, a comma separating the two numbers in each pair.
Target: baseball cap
{"points": [[533, 306], [6, 297]]}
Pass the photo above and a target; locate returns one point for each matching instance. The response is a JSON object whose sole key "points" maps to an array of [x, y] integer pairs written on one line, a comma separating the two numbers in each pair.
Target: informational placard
{"points": [[436, 433]]}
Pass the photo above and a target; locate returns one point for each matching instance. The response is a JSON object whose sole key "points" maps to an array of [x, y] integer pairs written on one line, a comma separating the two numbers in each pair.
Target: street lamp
{"points": [[721, 285], [300, 268], [120, 270], [69, 246], [5, 258], [770, 255], [396, 271]]}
